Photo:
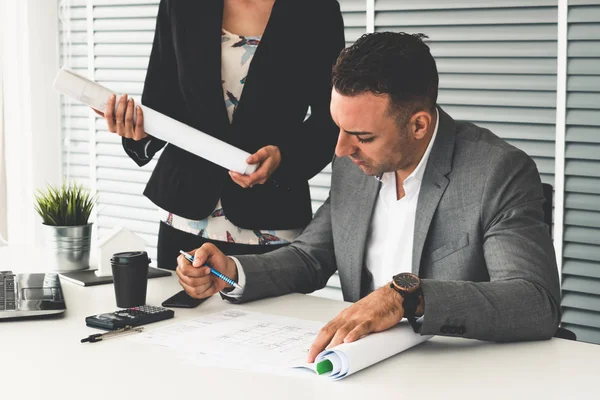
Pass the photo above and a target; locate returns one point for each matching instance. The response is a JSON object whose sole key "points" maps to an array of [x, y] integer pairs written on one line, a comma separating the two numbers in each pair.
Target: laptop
{"points": [[30, 295]]}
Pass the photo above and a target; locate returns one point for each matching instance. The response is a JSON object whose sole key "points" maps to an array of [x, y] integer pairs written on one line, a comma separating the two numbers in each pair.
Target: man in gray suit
{"points": [[427, 217]]}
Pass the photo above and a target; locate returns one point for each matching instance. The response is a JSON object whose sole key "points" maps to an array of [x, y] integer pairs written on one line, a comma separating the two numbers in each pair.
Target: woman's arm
{"points": [[161, 91]]}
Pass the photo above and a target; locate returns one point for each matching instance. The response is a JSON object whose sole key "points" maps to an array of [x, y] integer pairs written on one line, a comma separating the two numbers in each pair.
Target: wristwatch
{"points": [[409, 287]]}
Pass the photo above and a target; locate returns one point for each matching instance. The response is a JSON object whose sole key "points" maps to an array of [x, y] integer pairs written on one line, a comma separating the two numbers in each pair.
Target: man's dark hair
{"points": [[397, 64]]}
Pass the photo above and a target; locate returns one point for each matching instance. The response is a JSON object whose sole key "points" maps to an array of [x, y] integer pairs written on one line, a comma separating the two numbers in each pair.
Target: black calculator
{"points": [[134, 316]]}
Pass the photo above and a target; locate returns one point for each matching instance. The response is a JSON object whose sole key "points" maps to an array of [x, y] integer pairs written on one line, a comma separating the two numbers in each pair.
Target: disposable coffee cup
{"points": [[130, 274]]}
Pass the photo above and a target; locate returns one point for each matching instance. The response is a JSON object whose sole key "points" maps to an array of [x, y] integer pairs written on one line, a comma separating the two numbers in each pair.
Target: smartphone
{"points": [[182, 300]]}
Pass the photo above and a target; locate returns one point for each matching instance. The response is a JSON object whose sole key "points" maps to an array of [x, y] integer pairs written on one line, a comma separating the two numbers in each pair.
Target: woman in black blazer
{"points": [[192, 77]]}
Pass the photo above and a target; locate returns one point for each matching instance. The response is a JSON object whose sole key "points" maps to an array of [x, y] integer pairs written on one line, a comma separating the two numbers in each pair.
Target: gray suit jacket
{"points": [[481, 246]]}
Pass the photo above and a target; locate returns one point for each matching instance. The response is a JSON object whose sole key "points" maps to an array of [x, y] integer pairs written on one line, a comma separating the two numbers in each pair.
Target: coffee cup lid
{"points": [[130, 257]]}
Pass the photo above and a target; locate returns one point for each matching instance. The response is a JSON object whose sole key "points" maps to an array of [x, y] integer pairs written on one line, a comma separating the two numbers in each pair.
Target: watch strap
{"points": [[410, 302]]}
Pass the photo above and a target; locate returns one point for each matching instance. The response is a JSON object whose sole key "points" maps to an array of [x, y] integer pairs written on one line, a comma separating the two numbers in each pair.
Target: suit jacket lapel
{"points": [[434, 184], [365, 204], [280, 12], [201, 37]]}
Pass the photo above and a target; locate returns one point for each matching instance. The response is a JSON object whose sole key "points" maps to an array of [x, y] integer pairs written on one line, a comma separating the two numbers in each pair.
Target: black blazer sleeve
{"points": [[161, 91], [306, 152]]}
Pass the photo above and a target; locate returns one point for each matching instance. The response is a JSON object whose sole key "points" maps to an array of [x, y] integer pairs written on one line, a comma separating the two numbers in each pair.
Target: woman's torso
{"points": [[236, 55], [288, 67]]}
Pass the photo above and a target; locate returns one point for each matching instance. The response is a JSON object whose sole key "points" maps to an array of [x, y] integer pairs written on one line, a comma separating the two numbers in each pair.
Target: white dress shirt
{"points": [[390, 241]]}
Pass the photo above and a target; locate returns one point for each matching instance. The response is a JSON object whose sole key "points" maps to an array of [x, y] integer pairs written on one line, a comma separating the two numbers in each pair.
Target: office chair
{"points": [[547, 207], [562, 333]]}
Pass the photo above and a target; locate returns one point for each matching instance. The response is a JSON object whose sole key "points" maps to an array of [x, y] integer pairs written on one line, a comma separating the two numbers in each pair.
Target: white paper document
{"points": [[259, 342], [158, 125], [238, 339], [348, 358]]}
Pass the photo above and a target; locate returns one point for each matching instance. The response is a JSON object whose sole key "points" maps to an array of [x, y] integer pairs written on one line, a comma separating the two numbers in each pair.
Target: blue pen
{"points": [[213, 271]]}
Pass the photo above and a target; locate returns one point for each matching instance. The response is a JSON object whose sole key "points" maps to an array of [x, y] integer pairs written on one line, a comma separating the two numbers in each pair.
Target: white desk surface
{"points": [[43, 359]]}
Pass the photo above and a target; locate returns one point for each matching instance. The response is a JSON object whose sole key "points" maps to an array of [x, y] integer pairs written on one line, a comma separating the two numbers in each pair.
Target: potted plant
{"points": [[65, 212]]}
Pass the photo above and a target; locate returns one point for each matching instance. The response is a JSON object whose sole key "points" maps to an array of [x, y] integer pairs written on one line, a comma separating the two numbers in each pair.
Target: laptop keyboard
{"points": [[7, 291]]}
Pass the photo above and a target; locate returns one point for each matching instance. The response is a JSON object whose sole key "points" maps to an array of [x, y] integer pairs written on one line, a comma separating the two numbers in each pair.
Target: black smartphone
{"points": [[182, 300]]}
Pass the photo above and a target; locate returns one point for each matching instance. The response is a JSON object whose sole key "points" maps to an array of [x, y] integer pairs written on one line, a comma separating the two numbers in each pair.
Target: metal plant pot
{"points": [[68, 246]]}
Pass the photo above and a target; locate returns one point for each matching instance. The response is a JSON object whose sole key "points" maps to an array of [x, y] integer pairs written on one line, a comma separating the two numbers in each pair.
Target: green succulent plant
{"points": [[68, 205]]}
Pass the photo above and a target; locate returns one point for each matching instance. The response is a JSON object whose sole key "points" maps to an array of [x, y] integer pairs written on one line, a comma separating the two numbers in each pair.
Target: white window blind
{"points": [[75, 117], [110, 41], [496, 61], [581, 267]]}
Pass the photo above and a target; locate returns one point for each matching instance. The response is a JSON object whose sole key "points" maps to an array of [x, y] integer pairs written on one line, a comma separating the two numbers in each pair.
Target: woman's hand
{"points": [[121, 122], [269, 158]]}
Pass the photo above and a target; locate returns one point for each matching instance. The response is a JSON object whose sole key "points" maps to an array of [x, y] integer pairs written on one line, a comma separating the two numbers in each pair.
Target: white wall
{"points": [[31, 111]]}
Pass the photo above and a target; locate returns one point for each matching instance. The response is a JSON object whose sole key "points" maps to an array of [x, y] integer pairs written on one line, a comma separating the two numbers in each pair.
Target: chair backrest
{"points": [[548, 191], [564, 333]]}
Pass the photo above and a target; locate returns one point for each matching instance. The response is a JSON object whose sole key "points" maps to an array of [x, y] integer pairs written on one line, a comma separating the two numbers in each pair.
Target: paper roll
{"points": [[157, 124]]}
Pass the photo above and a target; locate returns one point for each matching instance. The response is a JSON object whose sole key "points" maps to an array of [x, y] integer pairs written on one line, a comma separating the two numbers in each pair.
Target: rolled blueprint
{"points": [[158, 125]]}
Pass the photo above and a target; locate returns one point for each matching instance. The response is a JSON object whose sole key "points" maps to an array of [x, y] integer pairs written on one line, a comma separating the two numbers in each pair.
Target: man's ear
{"points": [[421, 122]]}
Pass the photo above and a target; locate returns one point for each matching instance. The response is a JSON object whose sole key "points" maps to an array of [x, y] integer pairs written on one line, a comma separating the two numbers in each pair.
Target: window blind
{"points": [[581, 267], [120, 34], [496, 61], [75, 118]]}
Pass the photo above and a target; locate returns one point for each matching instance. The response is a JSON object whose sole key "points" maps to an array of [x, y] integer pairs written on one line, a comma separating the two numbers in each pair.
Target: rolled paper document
{"points": [[157, 124], [347, 358]]}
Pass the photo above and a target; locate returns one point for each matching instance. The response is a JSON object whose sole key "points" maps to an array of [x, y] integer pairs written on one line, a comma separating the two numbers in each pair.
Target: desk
{"points": [[46, 360]]}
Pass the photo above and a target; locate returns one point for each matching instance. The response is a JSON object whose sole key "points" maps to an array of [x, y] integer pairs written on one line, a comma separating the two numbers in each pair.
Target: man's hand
{"points": [[269, 158], [376, 312], [196, 279]]}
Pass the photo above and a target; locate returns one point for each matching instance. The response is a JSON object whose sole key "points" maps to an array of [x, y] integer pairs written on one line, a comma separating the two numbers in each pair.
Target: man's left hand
{"points": [[269, 158], [376, 312]]}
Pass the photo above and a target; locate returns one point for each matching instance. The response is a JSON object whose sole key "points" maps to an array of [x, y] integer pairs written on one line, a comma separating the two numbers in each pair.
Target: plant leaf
{"points": [[67, 205]]}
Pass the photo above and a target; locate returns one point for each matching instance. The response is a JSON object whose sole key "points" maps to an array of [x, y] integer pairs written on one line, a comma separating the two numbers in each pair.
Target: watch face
{"points": [[407, 281]]}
